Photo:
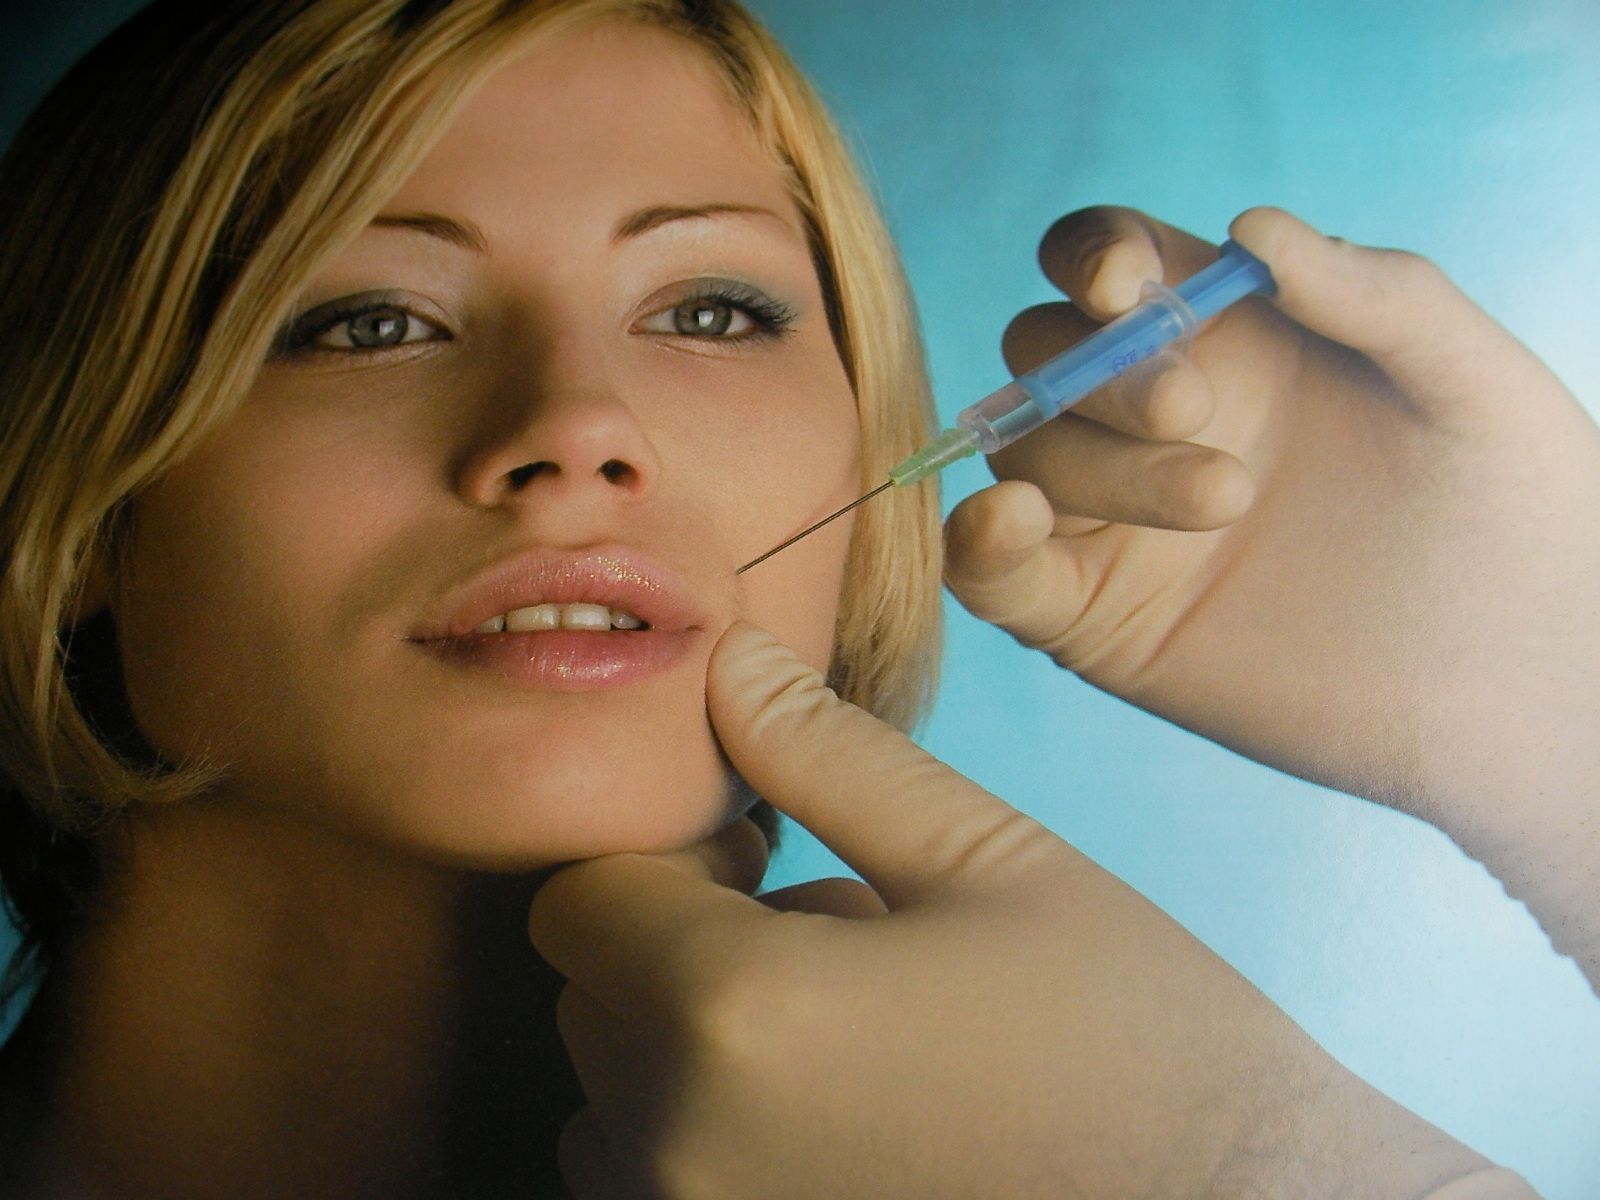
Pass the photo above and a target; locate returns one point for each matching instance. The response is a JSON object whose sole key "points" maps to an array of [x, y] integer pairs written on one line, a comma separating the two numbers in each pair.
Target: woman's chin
{"points": [[515, 817]]}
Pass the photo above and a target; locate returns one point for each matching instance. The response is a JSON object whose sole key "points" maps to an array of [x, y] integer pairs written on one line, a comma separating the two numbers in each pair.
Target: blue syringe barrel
{"points": [[1163, 317]]}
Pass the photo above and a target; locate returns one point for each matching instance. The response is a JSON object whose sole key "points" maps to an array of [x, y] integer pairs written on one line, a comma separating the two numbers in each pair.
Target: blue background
{"points": [[1467, 131], [1464, 130]]}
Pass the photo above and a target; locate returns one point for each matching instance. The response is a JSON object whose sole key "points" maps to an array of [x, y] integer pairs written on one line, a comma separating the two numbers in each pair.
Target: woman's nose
{"points": [[577, 442]]}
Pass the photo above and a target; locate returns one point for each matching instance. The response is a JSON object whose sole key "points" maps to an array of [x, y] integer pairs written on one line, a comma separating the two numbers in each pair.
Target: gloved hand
{"points": [[1353, 533], [994, 1016]]}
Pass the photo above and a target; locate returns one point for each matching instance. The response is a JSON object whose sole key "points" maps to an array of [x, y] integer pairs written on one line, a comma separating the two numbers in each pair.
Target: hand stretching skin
{"points": [[995, 1016], [1353, 533]]}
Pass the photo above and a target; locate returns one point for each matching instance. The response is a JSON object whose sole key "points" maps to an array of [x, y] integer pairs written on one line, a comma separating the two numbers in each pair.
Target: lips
{"points": [[612, 578], [567, 659]]}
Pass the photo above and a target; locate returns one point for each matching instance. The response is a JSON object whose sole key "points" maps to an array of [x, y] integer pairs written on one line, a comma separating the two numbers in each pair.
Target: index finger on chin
{"points": [[735, 856]]}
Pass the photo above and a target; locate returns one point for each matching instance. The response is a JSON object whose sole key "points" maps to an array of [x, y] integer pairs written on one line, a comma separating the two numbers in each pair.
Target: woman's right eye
{"points": [[380, 327], [358, 325]]}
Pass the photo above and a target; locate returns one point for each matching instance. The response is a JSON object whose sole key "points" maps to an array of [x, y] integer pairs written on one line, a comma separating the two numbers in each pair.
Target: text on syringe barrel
{"points": [[1044, 392]]}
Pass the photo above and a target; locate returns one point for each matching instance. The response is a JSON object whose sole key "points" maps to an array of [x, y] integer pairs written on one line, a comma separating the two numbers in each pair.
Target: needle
{"points": [[814, 528], [1163, 316]]}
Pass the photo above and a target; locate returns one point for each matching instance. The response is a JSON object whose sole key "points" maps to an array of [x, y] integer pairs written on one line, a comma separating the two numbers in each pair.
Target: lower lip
{"points": [[566, 660]]}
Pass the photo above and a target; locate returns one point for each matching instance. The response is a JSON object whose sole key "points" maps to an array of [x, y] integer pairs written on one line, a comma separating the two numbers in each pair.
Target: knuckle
{"points": [[1411, 272], [1391, 284], [1080, 237], [1413, 263], [793, 693], [749, 1018], [732, 1024], [1168, 409], [1004, 845]]}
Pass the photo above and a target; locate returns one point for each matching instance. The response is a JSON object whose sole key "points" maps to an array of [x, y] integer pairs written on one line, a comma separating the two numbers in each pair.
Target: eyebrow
{"points": [[458, 233], [469, 236], [646, 219]]}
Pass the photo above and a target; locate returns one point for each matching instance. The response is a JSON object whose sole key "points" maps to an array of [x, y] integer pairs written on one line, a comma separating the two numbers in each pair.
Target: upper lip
{"points": [[613, 576]]}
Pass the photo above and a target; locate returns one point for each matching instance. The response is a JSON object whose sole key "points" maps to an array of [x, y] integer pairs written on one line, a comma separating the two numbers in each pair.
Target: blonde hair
{"points": [[163, 207]]}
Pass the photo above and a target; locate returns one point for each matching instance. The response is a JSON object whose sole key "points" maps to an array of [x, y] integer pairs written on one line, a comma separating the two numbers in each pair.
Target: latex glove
{"points": [[1397, 586], [995, 1016]]}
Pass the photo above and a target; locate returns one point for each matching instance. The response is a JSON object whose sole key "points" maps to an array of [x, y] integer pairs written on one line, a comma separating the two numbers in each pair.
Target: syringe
{"points": [[1164, 316]]}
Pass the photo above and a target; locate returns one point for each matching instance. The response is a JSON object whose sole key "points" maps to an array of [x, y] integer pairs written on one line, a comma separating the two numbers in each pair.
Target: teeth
{"points": [[541, 617], [528, 620], [586, 616]]}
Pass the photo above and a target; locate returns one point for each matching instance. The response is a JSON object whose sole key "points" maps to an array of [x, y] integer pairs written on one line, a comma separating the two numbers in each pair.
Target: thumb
{"points": [[1002, 563], [1397, 308], [907, 823]]}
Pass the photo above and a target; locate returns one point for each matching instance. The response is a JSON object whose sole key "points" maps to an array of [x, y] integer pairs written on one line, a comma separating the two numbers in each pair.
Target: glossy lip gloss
{"points": [[567, 660]]}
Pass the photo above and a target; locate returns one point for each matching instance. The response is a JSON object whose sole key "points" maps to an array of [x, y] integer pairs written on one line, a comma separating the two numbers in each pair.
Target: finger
{"points": [[1103, 256], [1004, 565], [908, 824], [605, 1050], [592, 1034], [633, 931], [734, 857], [1088, 470], [1396, 308], [1167, 398], [583, 1155], [838, 897]]}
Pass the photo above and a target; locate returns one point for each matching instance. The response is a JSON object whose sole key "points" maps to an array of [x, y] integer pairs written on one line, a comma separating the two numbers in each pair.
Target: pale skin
{"points": [[991, 1013]]}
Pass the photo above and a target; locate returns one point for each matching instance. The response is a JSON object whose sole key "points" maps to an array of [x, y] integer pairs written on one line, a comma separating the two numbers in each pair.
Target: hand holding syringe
{"points": [[1163, 317], [1348, 625]]}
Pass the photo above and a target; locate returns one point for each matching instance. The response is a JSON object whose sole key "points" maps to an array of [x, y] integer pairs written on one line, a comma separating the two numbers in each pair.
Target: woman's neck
{"points": [[268, 1008]]}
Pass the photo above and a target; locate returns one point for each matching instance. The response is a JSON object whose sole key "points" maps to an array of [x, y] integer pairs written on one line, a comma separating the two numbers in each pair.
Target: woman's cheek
{"points": [[795, 594]]}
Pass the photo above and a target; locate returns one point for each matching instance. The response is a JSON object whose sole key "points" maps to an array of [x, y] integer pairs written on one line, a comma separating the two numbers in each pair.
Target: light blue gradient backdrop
{"points": [[1465, 130]]}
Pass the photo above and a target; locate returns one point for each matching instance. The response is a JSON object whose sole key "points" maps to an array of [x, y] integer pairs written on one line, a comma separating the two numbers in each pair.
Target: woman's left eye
{"points": [[710, 318], [731, 313]]}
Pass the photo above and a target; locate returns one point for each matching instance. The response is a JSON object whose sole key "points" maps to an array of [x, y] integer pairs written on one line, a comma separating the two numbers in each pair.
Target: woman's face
{"points": [[581, 359]]}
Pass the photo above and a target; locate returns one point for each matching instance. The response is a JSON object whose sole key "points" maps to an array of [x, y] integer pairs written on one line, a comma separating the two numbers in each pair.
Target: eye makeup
{"points": [[377, 321], [712, 310], [707, 309]]}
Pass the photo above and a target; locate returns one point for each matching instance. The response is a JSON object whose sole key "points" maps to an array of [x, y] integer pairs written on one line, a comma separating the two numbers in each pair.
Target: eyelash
{"points": [[297, 338], [770, 318]]}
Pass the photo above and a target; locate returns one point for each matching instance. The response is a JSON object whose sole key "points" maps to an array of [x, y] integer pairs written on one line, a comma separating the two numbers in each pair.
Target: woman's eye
{"points": [[733, 312], [710, 318], [360, 324], [375, 329]]}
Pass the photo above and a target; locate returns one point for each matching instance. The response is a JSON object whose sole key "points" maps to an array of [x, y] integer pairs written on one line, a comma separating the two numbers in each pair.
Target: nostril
{"points": [[520, 476], [614, 470]]}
